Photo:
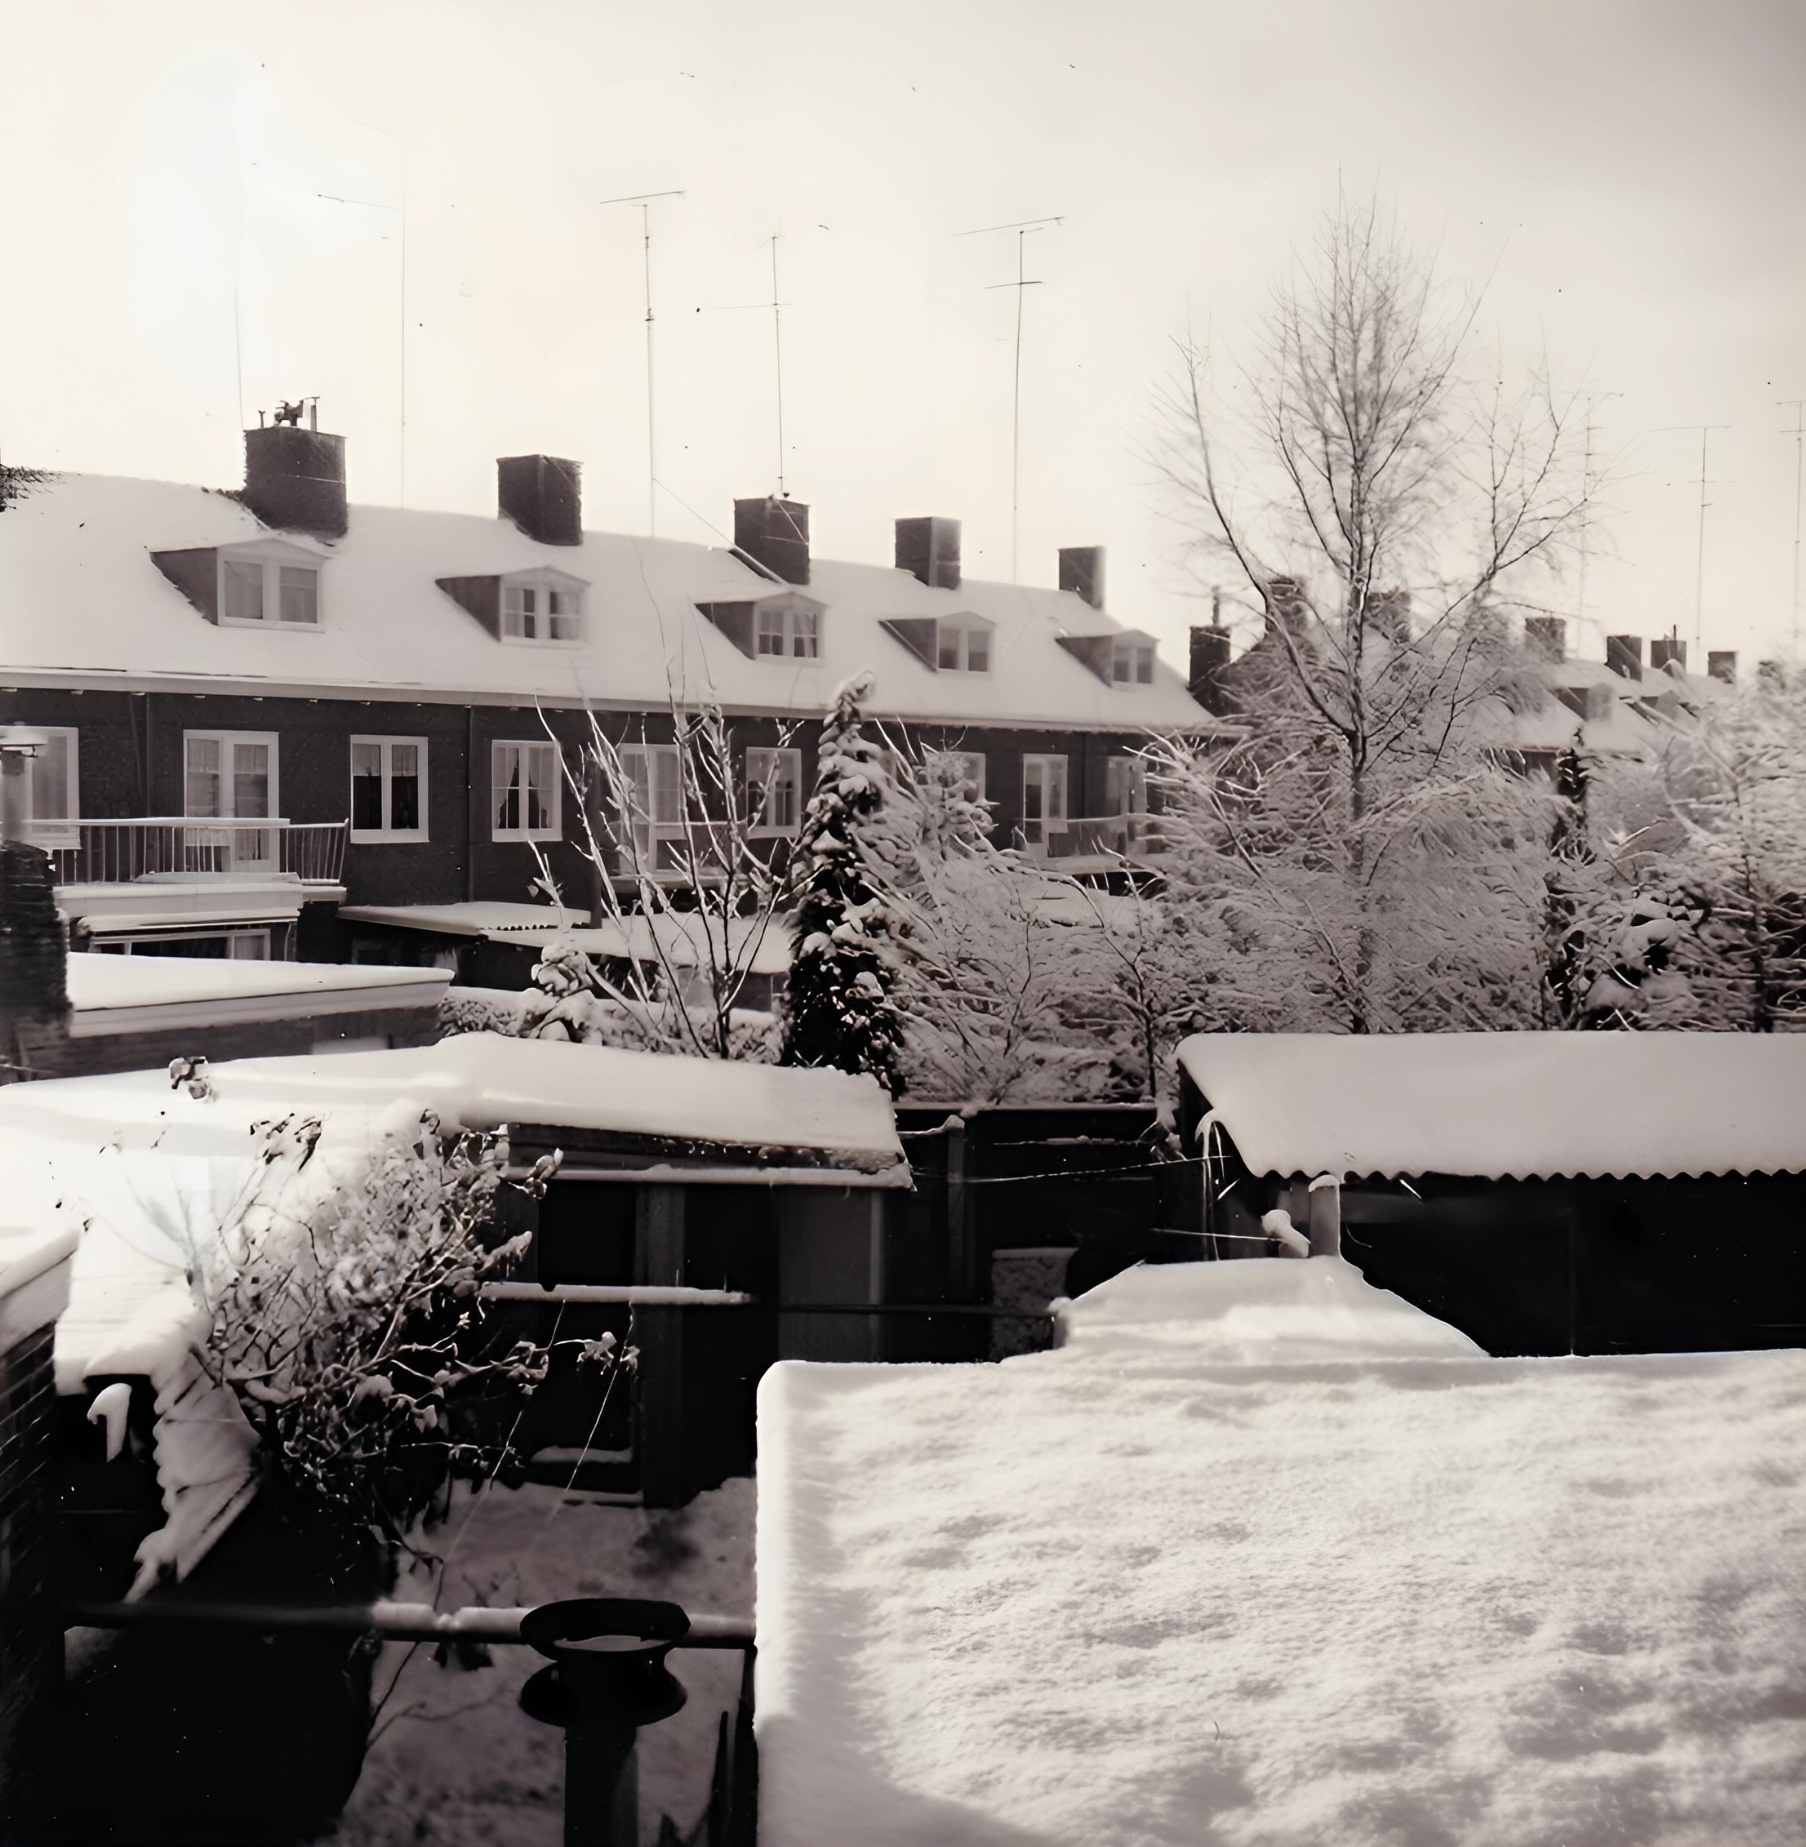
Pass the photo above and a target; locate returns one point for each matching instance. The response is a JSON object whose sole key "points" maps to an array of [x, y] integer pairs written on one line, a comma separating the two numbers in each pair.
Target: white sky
{"points": [[1624, 177]]}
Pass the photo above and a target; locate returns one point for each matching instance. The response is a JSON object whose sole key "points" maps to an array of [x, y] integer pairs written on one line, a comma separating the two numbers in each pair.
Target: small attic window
{"points": [[542, 609], [267, 593], [788, 628], [962, 647], [1131, 664]]}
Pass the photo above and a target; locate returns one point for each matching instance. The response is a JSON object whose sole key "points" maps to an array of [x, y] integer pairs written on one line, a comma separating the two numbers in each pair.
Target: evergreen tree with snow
{"points": [[839, 1009]]}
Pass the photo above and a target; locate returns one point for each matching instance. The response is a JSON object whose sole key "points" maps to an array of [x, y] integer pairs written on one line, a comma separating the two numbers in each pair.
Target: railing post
{"points": [[1326, 1216]]}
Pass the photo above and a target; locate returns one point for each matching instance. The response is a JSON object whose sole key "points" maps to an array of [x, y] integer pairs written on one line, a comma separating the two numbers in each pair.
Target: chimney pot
{"points": [[295, 479], [1082, 572], [774, 533], [928, 549], [543, 495], [1666, 651], [1624, 655]]}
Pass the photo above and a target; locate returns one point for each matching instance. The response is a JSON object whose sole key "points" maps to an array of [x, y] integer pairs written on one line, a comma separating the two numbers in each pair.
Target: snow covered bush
{"points": [[838, 1007], [354, 1338]]}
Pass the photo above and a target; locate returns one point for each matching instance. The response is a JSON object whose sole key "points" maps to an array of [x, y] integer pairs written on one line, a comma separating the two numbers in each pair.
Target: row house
{"points": [[263, 712]]}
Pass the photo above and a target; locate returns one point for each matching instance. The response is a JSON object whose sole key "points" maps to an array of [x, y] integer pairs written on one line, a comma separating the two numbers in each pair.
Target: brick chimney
{"points": [[1284, 598], [295, 479], [1209, 657], [1546, 637], [775, 534], [543, 495], [928, 549], [1721, 664], [1666, 650], [1624, 655], [1082, 572]]}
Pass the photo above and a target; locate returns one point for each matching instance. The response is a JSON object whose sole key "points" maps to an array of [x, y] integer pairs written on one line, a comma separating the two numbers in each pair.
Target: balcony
{"points": [[127, 851], [1089, 843], [150, 878]]}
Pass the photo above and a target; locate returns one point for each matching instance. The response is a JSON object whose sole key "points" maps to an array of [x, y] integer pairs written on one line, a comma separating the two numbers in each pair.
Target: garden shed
{"points": [[1551, 1192]]}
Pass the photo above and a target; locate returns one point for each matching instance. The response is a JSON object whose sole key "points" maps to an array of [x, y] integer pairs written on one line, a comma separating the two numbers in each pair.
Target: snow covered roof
{"points": [[148, 1175], [1352, 1591], [116, 994], [761, 947], [87, 606], [1508, 1104]]}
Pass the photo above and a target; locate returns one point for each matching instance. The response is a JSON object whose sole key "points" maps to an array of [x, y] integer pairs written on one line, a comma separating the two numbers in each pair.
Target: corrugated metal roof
{"points": [[1508, 1105]]}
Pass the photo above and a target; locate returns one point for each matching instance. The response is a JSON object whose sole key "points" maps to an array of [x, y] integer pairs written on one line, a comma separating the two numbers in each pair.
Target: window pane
{"points": [[241, 585], [49, 778], [542, 772], [404, 798], [1144, 666], [978, 651], [771, 631], [251, 780], [1119, 663], [300, 594], [667, 788], [948, 655], [505, 788], [758, 785], [1032, 791], [1056, 788], [367, 787], [201, 779], [802, 622], [785, 789]]}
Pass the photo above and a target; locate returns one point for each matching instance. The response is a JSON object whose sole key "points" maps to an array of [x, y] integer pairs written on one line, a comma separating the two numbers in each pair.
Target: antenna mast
{"points": [[777, 343], [1586, 504], [1699, 573], [1022, 229], [644, 201], [1798, 433]]}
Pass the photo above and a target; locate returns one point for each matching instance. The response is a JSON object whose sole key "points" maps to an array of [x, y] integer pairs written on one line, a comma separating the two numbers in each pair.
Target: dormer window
{"points": [[1131, 664], [542, 608], [263, 589], [962, 647], [787, 628]]}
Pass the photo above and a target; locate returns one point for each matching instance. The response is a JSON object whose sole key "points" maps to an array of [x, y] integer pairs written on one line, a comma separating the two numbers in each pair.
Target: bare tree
{"points": [[682, 880], [1389, 514]]}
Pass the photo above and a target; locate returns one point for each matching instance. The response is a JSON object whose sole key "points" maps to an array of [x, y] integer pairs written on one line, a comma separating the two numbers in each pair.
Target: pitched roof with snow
{"points": [[1509, 1104], [86, 606]]}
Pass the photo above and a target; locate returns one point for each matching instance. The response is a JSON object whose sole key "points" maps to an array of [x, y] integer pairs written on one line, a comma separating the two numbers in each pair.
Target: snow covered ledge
{"points": [[1265, 1555]]}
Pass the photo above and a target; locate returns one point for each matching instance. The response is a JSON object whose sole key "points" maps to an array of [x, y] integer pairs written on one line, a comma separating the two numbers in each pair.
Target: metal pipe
{"points": [[400, 1622], [631, 1295]]}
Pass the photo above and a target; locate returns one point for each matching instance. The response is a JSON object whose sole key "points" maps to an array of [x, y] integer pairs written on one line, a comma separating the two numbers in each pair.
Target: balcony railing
{"points": [[117, 852], [1118, 836]]}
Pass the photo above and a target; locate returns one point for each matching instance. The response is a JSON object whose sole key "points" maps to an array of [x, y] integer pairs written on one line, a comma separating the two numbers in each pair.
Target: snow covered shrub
{"points": [[838, 1008], [351, 1331]]}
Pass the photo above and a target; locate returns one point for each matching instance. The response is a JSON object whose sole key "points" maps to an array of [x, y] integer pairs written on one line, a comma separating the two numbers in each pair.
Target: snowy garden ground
{"points": [[455, 1761]]}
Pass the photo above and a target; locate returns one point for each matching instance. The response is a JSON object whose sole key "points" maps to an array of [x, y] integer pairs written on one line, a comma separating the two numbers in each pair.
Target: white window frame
{"points": [[542, 586], [1125, 785], [510, 758], [784, 623], [1049, 774], [650, 808], [1132, 663], [245, 849], [271, 562], [388, 832], [961, 633], [55, 832], [763, 780]]}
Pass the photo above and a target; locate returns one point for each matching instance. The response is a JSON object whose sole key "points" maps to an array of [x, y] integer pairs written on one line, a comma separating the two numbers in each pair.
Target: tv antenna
{"points": [[1699, 560], [644, 201], [401, 441], [1586, 503], [777, 337], [1798, 433], [1024, 229]]}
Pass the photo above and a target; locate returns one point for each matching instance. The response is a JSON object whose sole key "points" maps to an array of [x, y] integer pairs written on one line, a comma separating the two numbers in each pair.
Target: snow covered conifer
{"points": [[839, 1009]]}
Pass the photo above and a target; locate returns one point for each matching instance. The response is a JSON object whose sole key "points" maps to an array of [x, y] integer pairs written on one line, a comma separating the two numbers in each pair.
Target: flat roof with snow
{"points": [[1263, 1555], [123, 994], [1507, 1104]]}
